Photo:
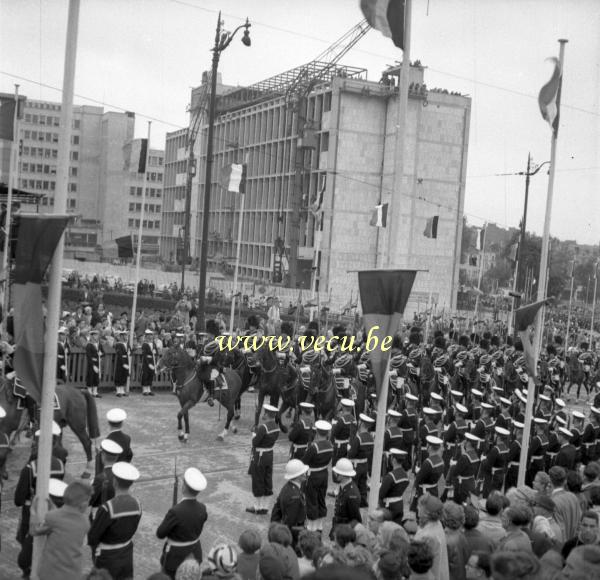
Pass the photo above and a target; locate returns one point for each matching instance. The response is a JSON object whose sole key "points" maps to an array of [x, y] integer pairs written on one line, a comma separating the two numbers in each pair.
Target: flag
{"points": [[39, 235], [572, 269], [135, 153], [480, 238], [315, 207], [125, 246], [431, 227], [379, 216], [524, 318], [7, 115], [383, 296], [549, 97], [514, 249], [387, 16], [233, 177], [472, 260]]}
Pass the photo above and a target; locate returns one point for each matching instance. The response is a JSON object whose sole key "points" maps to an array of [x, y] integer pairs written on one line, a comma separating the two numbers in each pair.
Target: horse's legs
{"points": [[261, 399], [184, 414], [229, 404], [179, 428], [81, 433], [238, 407]]}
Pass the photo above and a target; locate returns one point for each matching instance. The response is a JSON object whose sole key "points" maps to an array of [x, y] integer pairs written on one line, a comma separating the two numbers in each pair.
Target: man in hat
{"points": [[148, 363], [393, 485], [537, 450], [461, 478], [409, 424], [116, 418], [427, 428], [290, 506], [392, 438], [360, 452], [454, 435], [93, 354], [183, 524], [115, 524], [261, 464], [514, 456], [476, 398], [484, 426], [62, 354], [493, 466], [553, 446], [317, 458], [121, 363], [577, 431], [427, 478], [348, 500], [343, 430], [593, 452], [302, 431], [567, 454], [102, 485], [504, 419]]}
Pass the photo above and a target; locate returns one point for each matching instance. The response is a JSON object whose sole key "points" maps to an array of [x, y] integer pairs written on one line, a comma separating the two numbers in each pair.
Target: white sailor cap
{"points": [[578, 415], [411, 397], [306, 405], [505, 401], [565, 431], [56, 430], [179, 334], [540, 421], [522, 398], [94, 331], [397, 452], [2, 412], [461, 408], [560, 420], [62, 330], [436, 397], [347, 402], [148, 331], [594, 410], [323, 425], [430, 411], [497, 388], [456, 393], [486, 406], [56, 487], [194, 479], [394, 413], [559, 402], [433, 440], [270, 408], [476, 392], [116, 415], [502, 431], [544, 398], [125, 471], [365, 418], [517, 424], [111, 447], [472, 437]]}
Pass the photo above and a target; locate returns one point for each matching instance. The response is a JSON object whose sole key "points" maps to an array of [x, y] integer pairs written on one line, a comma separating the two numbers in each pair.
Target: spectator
{"points": [[458, 549], [544, 522], [277, 555], [591, 481], [583, 562], [392, 566], [429, 511], [222, 562], [568, 510], [420, 560], [588, 533], [515, 565], [476, 541], [344, 534], [542, 483], [491, 525], [389, 535], [249, 543], [308, 542], [515, 518], [479, 566], [103, 574]]}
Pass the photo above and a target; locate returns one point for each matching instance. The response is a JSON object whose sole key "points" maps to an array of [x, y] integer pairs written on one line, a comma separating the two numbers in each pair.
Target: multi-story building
{"points": [[317, 164]]}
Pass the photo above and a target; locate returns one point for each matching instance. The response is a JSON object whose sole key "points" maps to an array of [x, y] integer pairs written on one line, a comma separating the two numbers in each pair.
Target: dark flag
{"points": [[141, 162], [431, 227], [387, 16], [38, 238], [383, 295], [7, 115], [135, 153], [549, 97], [125, 246], [524, 318]]}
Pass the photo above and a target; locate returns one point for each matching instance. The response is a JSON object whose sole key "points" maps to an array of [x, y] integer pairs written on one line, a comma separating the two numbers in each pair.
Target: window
{"points": [[139, 191], [47, 153], [324, 142], [28, 117], [130, 223], [35, 119], [46, 169], [76, 123], [158, 209], [137, 223], [132, 190], [71, 203], [41, 136], [75, 139], [73, 171], [27, 134], [54, 137], [39, 168], [157, 224], [45, 185], [74, 155], [132, 207], [25, 150], [24, 166], [52, 185], [38, 184], [72, 187], [138, 207], [56, 121], [33, 135], [54, 153], [159, 176]]}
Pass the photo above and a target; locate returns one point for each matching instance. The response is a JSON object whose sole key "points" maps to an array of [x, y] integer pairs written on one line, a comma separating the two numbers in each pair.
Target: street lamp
{"points": [[223, 39]]}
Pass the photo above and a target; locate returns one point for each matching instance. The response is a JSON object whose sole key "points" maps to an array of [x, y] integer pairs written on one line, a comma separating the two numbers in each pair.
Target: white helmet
{"points": [[295, 468], [344, 468]]}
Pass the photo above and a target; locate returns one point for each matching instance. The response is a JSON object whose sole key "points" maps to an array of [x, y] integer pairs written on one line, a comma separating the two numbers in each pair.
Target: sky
{"points": [[146, 55]]}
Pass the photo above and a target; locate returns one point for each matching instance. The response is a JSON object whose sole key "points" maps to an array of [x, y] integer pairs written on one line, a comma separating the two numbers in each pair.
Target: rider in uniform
{"points": [[360, 452], [183, 524], [302, 431], [393, 486]]}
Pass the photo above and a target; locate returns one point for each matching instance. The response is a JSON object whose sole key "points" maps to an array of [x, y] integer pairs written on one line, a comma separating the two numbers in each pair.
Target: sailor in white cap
{"points": [[432, 468], [183, 524], [392, 438], [577, 431], [567, 454], [590, 439], [343, 430], [428, 427], [318, 457], [302, 431], [360, 452], [559, 411], [537, 450], [514, 455], [56, 491], [544, 409], [454, 435], [461, 478], [115, 418], [476, 398], [393, 485], [115, 524], [409, 425], [62, 355], [93, 355], [290, 507], [493, 467], [148, 363], [504, 419], [261, 464], [484, 426], [348, 500], [102, 485], [122, 351]]}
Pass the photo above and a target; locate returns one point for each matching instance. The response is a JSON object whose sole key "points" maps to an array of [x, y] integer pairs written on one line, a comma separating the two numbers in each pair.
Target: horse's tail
{"points": [[92, 415]]}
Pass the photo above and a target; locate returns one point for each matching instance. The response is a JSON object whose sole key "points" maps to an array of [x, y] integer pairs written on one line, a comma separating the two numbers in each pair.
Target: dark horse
{"points": [[319, 386], [77, 410], [236, 360], [277, 378]]}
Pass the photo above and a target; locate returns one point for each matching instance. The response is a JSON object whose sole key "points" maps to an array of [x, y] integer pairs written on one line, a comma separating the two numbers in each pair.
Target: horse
{"points": [[188, 387], [77, 411], [237, 361], [277, 378], [319, 388]]}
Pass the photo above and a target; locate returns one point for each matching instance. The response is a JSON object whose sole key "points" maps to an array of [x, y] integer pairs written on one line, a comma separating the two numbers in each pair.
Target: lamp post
{"points": [[223, 39]]}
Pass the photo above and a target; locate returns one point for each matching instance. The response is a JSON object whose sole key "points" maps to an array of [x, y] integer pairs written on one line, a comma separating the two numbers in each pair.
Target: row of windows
{"points": [[149, 224], [148, 207], [155, 161], [47, 106], [150, 191], [153, 176], [71, 203], [48, 120], [47, 169], [48, 137], [44, 185], [46, 153]]}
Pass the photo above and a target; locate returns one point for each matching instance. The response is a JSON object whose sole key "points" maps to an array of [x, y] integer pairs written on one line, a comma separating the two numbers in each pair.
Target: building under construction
{"points": [[319, 144]]}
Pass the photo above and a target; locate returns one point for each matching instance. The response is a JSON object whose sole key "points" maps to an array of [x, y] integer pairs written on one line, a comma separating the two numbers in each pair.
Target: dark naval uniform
{"points": [[512, 464], [588, 444], [391, 492], [110, 536], [317, 457], [181, 526], [552, 449], [92, 355], [261, 465], [426, 429], [428, 477], [361, 454], [148, 363], [408, 423], [462, 476], [102, 488], [453, 437], [566, 457], [392, 438], [343, 429], [347, 506], [62, 361], [290, 509], [121, 364], [124, 441], [300, 435], [537, 457], [494, 468]]}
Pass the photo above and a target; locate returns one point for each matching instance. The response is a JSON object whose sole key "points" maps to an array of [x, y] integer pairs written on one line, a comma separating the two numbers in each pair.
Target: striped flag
{"points": [[387, 16], [514, 250], [431, 227], [233, 177], [549, 97], [379, 216], [524, 318], [135, 153]]}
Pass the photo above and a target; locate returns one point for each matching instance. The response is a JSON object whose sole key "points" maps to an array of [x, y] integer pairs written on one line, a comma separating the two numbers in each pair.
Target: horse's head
{"points": [[174, 358]]}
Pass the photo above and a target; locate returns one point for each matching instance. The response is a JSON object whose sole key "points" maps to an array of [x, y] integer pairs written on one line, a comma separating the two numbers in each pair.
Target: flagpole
{"points": [[514, 299], [594, 303], [482, 256], [238, 251], [139, 255], [394, 204], [542, 287], [54, 287]]}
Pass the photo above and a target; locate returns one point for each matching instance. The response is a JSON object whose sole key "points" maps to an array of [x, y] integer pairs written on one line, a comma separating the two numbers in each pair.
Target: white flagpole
{"points": [[570, 303], [481, 259], [138, 258], [541, 291], [54, 288], [512, 306], [238, 250], [594, 303]]}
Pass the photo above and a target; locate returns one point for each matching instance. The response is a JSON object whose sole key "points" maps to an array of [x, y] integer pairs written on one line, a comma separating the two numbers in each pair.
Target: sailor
{"points": [[360, 451], [493, 466], [116, 418], [454, 435], [567, 454], [102, 485], [93, 354], [537, 450], [121, 363], [302, 431], [290, 506], [545, 407], [456, 397], [183, 524], [464, 470], [593, 452], [427, 428], [261, 464], [428, 476], [115, 524], [504, 420], [553, 442], [62, 356], [348, 500], [577, 430], [344, 429], [148, 363], [514, 456], [484, 426], [392, 438], [408, 424], [318, 457], [476, 398], [56, 491], [393, 486]]}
